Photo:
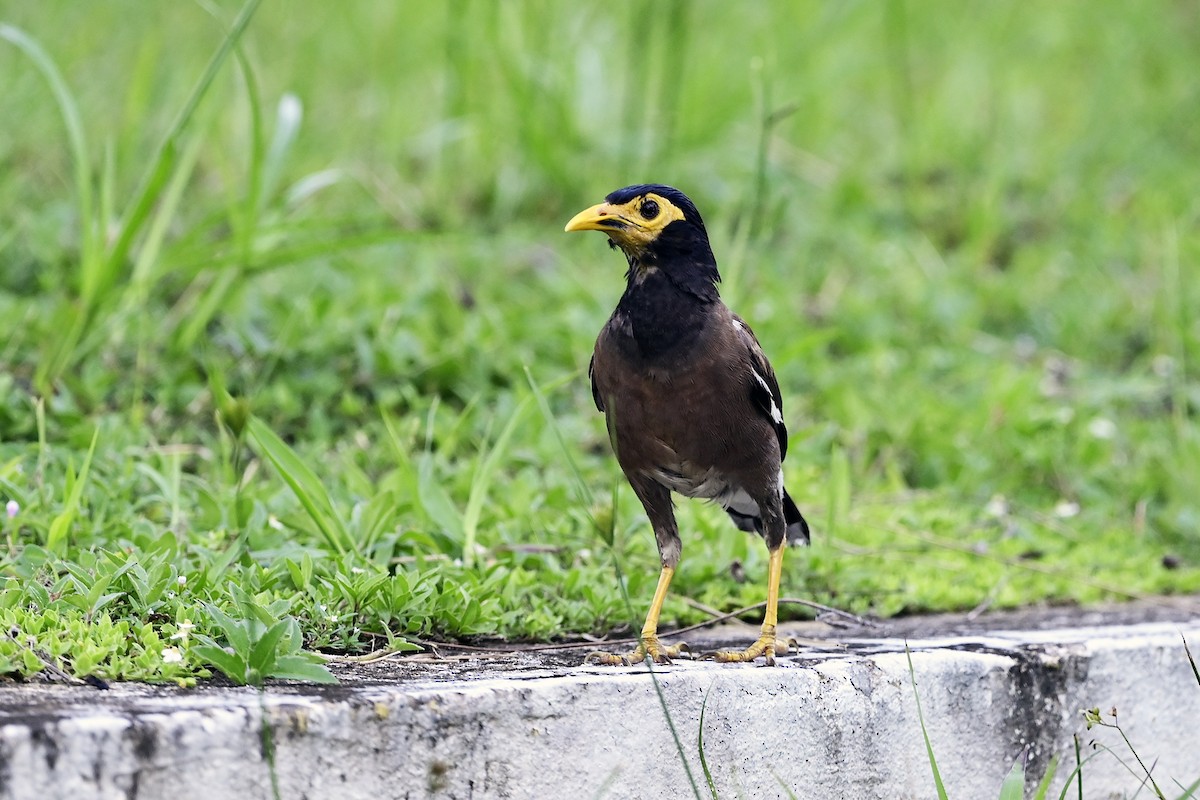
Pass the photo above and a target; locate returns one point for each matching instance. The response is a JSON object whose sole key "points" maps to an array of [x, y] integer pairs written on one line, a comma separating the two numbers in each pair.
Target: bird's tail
{"points": [[797, 526]]}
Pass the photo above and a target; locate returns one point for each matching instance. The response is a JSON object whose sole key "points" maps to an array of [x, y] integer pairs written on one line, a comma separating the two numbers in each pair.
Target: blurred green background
{"points": [[965, 233]]}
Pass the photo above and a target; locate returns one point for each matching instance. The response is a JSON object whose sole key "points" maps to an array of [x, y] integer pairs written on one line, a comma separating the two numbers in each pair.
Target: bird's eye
{"points": [[649, 209]]}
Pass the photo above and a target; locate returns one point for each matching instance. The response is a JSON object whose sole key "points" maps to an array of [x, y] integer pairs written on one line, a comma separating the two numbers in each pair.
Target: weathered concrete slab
{"points": [[825, 723]]}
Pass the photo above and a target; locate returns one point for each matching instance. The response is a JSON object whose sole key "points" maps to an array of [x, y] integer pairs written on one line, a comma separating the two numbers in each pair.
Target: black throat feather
{"points": [[669, 289]]}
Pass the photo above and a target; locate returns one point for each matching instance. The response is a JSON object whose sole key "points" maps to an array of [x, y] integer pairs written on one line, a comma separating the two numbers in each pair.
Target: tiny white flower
{"points": [[1163, 366], [1102, 428], [181, 580], [1065, 509], [357, 570], [183, 630], [1064, 414], [997, 506], [290, 110], [274, 522], [12, 508], [171, 655]]}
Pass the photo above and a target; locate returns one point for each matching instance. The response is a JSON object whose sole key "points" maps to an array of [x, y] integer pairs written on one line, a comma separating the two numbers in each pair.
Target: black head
{"points": [[657, 227], [669, 193]]}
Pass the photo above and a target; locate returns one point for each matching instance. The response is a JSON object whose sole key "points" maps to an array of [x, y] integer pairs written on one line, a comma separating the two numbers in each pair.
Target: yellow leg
{"points": [[767, 644], [648, 644]]}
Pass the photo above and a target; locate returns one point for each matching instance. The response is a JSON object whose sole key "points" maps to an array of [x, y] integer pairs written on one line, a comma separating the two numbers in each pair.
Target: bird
{"points": [[691, 403]]}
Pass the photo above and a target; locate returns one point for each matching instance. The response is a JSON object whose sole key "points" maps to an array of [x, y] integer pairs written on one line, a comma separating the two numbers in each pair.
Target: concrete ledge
{"points": [[826, 723]]}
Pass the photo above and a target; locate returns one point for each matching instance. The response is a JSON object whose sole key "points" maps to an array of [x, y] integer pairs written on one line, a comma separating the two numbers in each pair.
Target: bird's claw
{"points": [[657, 653], [767, 646]]}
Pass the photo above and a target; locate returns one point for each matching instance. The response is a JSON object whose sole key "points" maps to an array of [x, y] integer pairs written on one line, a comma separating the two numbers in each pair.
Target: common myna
{"points": [[691, 403]]}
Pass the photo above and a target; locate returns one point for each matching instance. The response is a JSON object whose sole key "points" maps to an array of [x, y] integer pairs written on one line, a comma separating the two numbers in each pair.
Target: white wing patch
{"points": [[776, 412]]}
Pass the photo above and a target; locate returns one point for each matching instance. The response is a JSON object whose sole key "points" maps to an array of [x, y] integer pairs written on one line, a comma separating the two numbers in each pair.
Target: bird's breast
{"points": [[684, 428], [686, 420]]}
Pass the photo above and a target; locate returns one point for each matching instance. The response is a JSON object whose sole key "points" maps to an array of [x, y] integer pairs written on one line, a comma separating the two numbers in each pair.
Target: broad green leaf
{"points": [[230, 665], [235, 631], [262, 654], [302, 668]]}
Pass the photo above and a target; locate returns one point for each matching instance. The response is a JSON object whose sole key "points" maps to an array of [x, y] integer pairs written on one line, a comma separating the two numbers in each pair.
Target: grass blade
{"points": [[1188, 651], [304, 484], [148, 254], [662, 701], [98, 271], [56, 539], [787, 789], [431, 496], [482, 481], [1044, 786], [1076, 775], [91, 263], [581, 486], [160, 165], [75, 136], [1013, 787], [1078, 771], [288, 116], [606, 530], [1189, 792], [708, 778], [937, 775]]}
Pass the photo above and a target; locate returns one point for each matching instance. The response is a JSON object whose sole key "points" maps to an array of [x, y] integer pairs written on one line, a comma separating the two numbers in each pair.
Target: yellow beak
{"points": [[602, 217]]}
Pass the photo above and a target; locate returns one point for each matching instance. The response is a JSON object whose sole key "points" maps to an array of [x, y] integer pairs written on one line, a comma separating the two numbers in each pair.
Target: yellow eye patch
{"points": [[651, 212], [633, 225]]}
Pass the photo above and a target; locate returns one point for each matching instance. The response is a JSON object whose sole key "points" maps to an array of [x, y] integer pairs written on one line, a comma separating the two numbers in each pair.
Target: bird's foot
{"points": [[767, 646], [649, 645]]}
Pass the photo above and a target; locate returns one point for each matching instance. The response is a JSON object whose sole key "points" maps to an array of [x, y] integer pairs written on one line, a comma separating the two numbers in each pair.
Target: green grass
{"points": [[274, 306]]}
